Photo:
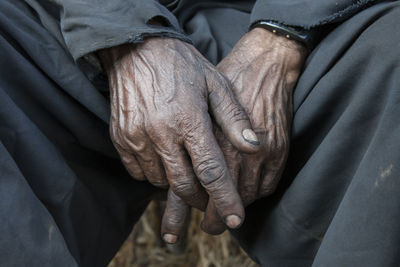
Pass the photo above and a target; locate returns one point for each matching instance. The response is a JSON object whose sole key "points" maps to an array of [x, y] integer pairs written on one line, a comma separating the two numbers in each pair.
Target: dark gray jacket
{"points": [[84, 26]]}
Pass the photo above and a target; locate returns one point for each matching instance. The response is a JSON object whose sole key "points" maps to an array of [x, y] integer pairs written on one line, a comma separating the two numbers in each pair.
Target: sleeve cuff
{"points": [[88, 27], [306, 14]]}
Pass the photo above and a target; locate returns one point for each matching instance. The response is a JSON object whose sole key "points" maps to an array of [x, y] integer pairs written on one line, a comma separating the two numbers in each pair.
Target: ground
{"points": [[144, 247]]}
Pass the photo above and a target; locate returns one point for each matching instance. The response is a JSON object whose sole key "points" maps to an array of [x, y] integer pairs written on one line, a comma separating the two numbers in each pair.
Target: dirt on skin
{"points": [[144, 246]]}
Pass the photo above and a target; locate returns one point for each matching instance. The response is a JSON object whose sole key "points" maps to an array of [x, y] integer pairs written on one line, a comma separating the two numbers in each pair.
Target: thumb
{"points": [[230, 116]]}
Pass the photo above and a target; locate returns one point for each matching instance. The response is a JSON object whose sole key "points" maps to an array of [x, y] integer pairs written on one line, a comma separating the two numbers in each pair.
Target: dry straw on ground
{"points": [[144, 247]]}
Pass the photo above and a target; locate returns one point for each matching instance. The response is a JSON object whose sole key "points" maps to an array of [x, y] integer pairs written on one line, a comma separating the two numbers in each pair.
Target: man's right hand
{"points": [[162, 93]]}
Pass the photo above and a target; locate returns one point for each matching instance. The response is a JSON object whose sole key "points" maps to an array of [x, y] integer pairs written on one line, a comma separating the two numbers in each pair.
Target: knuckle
{"points": [[136, 174], [127, 132], [275, 68], [116, 137], [117, 144], [161, 126], [190, 130], [211, 172], [238, 114], [120, 146], [186, 120], [160, 183], [173, 220], [130, 139], [182, 189], [234, 112]]}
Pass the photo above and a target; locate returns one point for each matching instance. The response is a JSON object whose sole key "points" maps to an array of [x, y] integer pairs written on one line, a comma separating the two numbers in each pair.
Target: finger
{"points": [[270, 176], [152, 167], [212, 222], [250, 177], [210, 168], [147, 158], [175, 219], [131, 164], [269, 183], [232, 156], [230, 116], [182, 179]]}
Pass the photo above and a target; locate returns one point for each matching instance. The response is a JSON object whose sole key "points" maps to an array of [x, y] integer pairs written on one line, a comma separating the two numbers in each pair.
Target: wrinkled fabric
{"points": [[300, 13], [65, 197], [84, 27], [308, 13], [338, 203], [91, 25]]}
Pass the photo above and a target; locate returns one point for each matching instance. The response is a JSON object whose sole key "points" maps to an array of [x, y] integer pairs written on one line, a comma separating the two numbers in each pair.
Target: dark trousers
{"points": [[66, 200]]}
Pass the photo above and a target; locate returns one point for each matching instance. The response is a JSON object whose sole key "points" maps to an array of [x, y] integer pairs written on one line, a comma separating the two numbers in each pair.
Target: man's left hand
{"points": [[263, 69]]}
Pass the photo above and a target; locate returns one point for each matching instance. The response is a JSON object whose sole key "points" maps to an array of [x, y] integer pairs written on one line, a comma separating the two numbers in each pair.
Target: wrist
{"points": [[110, 56], [308, 37], [269, 40], [288, 53]]}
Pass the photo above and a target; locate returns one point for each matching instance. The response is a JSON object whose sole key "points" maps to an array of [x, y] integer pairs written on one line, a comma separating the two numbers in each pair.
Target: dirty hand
{"points": [[263, 69], [162, 94]]}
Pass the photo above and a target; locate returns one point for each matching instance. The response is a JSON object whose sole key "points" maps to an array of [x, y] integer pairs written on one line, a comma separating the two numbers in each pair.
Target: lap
{"points": [[339, 199]]}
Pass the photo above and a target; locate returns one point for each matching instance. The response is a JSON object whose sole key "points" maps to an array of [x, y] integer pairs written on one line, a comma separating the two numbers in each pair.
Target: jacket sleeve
{"points": [[307, 13], [86, 26]]}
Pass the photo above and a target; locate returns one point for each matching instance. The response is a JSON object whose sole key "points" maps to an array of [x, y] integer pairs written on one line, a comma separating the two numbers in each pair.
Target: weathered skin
{"points": [[263, 69], [162, 93]]}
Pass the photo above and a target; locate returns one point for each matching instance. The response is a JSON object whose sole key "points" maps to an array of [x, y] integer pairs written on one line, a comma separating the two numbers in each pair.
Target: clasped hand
{"points": [[176, 122]]}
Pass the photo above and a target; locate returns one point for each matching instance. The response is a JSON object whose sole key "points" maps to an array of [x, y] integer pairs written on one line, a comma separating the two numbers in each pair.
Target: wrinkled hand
{"points": [[263, 69], [161, 94]]}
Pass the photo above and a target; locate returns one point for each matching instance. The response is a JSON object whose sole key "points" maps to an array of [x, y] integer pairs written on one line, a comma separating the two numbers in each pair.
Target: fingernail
{"points": [[170, 239], [250, 137], [233, 221]]}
